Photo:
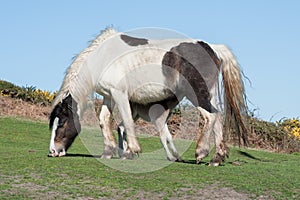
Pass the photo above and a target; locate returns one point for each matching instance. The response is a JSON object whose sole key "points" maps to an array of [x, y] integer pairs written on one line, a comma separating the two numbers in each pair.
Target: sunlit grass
{"points": [[27, 172]]}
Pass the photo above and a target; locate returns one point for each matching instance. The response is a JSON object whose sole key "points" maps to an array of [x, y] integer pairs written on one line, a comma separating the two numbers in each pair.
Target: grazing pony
{"points": [[148, 78]]}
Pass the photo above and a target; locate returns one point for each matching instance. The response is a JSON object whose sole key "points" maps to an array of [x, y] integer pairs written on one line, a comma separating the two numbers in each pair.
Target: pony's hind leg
{"points": [[171, 144], [164, 142], [122, 140], [203, 145], [110, 144], [222, 150], [165, 136], [122, 136]]}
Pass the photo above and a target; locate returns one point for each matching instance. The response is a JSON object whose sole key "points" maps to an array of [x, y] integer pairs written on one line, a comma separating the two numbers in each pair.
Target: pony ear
{"points": [[55, 112], [68, 99], [68, 102]]}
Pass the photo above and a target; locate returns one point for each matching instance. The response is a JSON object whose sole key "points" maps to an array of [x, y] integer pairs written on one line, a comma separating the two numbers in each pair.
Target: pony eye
{"points": [[61, 123]]}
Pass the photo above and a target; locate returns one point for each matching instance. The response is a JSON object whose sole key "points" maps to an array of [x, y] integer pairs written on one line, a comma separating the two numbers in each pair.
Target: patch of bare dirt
{"points": [[19, 108], [28, 190], [32, 190], [209, 192]]}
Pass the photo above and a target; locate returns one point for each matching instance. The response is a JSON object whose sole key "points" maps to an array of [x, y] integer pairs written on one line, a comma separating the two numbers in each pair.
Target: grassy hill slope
{"points": [[27, 172]]}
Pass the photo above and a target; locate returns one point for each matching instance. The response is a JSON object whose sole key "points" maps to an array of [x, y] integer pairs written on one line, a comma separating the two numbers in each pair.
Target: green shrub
{"points": [[280, 136], [29, 93], [9, 89]]}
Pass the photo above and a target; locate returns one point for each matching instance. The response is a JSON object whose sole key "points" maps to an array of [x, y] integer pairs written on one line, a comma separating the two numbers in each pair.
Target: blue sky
{"points": [[39, 38]]}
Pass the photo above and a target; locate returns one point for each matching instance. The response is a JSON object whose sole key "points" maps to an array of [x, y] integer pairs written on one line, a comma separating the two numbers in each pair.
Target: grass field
{"points": [[27, 173]]}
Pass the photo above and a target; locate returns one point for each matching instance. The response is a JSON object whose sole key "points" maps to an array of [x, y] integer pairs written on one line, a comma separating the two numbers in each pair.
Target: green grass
{"points": [[27, 173]]}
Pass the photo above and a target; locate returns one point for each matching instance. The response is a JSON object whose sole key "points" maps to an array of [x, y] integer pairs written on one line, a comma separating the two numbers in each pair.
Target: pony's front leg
{"points": [[110, 144], [122, 102]]}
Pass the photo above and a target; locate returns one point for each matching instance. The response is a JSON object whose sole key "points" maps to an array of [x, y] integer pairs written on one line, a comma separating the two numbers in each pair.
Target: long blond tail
{"points": [[235, 108]]}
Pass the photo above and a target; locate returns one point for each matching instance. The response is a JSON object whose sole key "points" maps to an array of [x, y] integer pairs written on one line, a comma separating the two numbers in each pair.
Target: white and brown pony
{"points": [[148, 78]]}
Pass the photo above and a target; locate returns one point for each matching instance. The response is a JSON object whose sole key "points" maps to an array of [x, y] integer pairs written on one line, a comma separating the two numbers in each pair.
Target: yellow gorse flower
{"points": [[44, 95], [292, 126]]}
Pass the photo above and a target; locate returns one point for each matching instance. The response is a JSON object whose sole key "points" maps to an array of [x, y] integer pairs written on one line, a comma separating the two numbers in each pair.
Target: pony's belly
{"points": [[150, 93]]}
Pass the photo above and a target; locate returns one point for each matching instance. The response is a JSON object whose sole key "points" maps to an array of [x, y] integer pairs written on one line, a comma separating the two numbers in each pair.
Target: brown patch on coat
{"points": [[198, 72], [133, 41], [211, 53]]}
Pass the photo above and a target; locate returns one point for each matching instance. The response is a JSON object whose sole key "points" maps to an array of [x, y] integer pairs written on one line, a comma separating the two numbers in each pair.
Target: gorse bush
{"points": [[29, 94], [281, 136], [291, 126]]}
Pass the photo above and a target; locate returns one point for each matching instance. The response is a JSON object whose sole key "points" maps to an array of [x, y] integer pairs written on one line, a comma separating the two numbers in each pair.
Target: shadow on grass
{"points": [[193, 162], [248, 155], [88, 156], [99, 156], [82, 155], [242, 153]]}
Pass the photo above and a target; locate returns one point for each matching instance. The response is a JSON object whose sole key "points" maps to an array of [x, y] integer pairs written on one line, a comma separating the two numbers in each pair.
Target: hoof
{"points": [[214, 164], [200, 154], [172, 159], [199, 158], [108, 152], [217, 160], [106, 156], [128, 156], [136, 150]]}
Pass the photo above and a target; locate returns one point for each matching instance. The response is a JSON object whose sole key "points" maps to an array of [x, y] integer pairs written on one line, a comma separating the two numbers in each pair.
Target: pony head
{"points": [[65, 125]]}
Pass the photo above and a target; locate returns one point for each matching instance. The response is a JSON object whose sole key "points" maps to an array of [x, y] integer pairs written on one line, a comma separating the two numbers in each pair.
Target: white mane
{"points": [[80, 86]]}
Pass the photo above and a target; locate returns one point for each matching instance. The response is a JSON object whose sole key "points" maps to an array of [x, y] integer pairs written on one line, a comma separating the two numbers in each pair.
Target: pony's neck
{"points": [[79, 80]]}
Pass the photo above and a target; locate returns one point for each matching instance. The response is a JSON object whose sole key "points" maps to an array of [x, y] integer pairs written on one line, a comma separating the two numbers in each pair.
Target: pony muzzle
{"points": [[56, 153]]}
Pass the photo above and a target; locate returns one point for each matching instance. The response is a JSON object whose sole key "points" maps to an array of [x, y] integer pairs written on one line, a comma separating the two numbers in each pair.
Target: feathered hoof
{"points": [[108, 152], [179, 160], [106, 156], [217, 160], [172, 159], [128, 156], [198, 160]]}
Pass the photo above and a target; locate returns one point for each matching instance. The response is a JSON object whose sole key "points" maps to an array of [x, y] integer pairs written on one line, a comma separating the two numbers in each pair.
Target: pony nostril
{"points": [[52, 153]]}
